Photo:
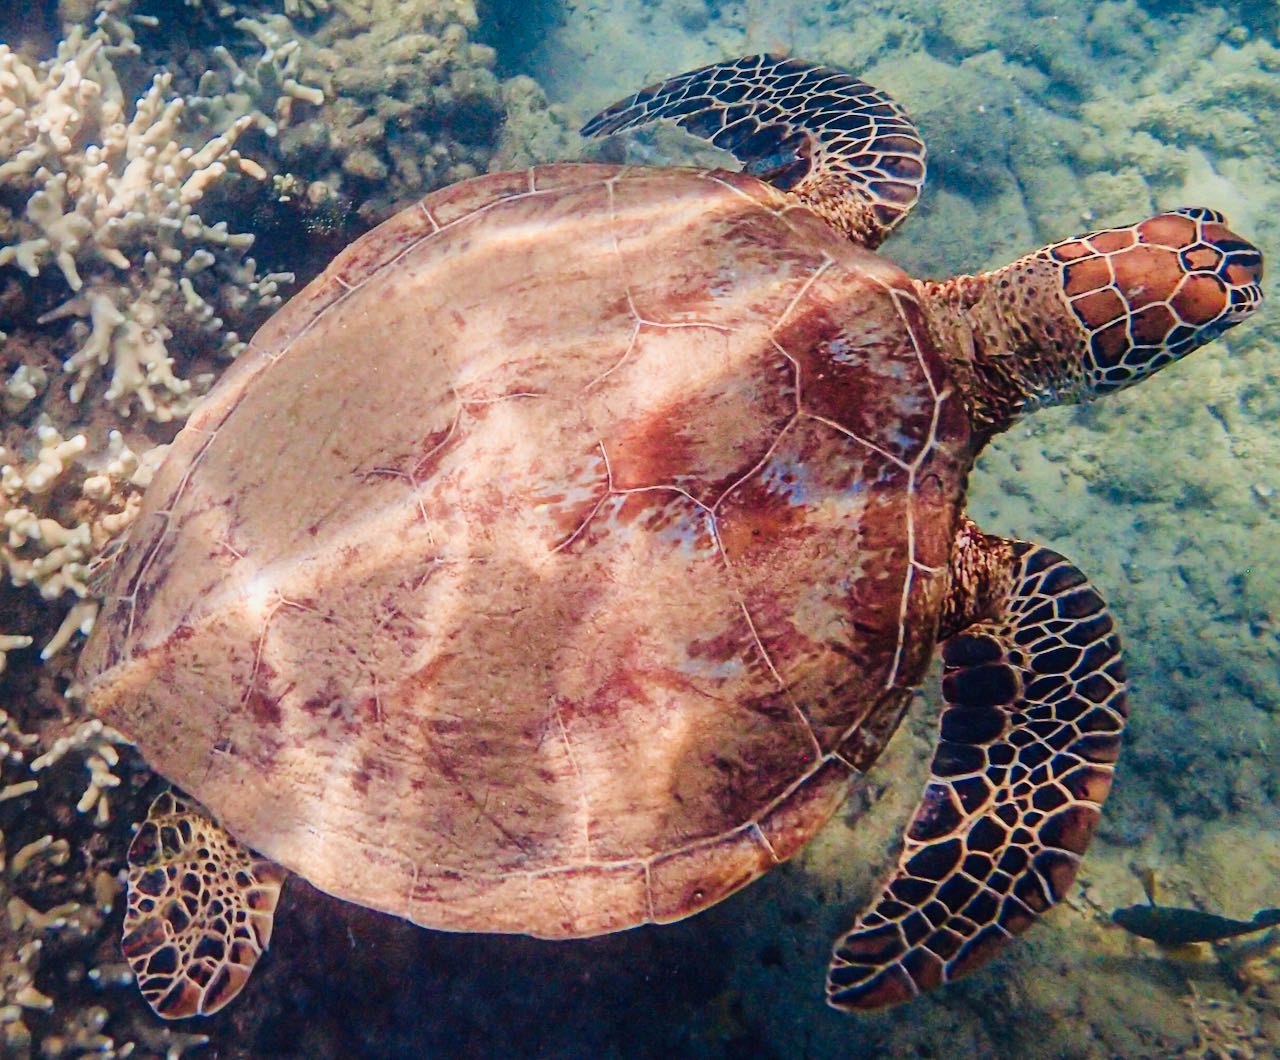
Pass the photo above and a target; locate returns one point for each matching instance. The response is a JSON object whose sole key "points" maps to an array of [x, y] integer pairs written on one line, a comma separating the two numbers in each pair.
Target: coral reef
{"points": [[103, 209], [110, 201], [1041, 120], [412, 101]]}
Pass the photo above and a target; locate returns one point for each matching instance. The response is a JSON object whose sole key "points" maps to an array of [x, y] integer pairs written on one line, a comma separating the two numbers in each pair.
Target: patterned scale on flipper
{"points": [[200, 909], [841, 146], [1035, 707]]}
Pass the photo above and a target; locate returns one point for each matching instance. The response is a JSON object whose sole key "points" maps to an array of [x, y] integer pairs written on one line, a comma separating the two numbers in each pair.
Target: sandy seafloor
{"points": [[1043, 119]]}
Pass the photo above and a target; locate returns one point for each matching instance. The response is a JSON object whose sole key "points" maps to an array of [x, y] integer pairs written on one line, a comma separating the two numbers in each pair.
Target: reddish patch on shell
{"points": [[261, 699], [680, 442]]}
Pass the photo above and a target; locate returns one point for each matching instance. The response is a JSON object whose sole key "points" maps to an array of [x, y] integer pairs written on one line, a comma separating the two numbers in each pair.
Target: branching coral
{"points": [[267, 84], [101, 498], [109, 200]]}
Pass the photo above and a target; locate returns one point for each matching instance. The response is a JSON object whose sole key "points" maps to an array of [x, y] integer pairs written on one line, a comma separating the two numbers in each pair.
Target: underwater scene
{"points": [[554, 569]]}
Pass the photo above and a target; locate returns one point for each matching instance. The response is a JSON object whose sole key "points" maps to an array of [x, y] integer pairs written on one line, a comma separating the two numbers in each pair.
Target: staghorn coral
{"points": [[108, 199], [268, 82], [97, 498]]}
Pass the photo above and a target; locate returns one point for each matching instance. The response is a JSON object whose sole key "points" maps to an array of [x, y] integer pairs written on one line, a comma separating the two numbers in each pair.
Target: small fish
{"points": [[1169, 926]]}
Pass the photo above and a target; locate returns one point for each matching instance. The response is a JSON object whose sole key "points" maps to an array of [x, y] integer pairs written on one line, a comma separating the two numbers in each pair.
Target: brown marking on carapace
{"points": [[654, 451], [855, 353], [261, 699], [433, 449], [757, 516], [705, 439], [732, 643], [367, 710], [326, 700]]}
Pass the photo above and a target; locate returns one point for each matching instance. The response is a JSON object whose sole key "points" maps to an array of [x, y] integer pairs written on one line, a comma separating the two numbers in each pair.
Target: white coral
{"points": [[111, 203], [55, 557]]}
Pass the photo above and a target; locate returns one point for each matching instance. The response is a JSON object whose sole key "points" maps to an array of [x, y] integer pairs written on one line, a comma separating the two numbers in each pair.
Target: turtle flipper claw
{"points": [[843, 147], [200, 910], [1035, 705]]}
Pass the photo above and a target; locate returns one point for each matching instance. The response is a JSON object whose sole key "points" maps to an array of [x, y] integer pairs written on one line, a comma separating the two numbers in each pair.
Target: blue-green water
{"points": [[1042, 120]]}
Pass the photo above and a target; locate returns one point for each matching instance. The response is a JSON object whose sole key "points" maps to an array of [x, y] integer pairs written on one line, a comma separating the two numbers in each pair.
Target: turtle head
{"points": [[1091, 314], [1148, 294]]}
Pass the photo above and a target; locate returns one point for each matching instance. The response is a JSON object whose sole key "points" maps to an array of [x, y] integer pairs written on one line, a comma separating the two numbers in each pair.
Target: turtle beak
{"points": [[1241, 269]]}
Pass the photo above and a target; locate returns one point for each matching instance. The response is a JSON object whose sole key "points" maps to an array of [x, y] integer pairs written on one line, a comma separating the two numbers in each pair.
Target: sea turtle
{"points": [[556, 561]]}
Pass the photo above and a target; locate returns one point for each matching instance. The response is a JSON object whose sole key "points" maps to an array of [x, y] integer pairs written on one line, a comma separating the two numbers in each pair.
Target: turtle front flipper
{"points": [[1035, 706], [200, 909], [844, 148]]}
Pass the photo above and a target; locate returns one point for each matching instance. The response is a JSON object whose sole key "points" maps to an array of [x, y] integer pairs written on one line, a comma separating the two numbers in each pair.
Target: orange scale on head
{"points": [[1213, 232], [1168, 230], [1147, 274], [1070, 250], [1199, 299], [1151, 327], [1091, 274], [1202, 257], [1244, 275], [1113, 240], [1099, 308], [1110, 344]]}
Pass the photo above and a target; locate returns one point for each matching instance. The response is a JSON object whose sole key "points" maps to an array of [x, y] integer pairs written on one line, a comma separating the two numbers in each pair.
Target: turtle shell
{"points": [[552, 562]]}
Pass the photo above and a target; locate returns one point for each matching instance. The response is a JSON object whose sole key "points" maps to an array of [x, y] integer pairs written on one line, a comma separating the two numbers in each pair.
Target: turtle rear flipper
{"points": [[200, 910], [1035, 705], [843, 147]]}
